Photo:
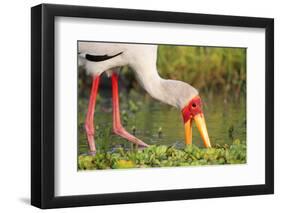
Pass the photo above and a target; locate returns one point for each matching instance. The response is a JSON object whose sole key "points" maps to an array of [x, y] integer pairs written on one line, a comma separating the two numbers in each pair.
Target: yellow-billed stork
{"points": [[98, 58]]}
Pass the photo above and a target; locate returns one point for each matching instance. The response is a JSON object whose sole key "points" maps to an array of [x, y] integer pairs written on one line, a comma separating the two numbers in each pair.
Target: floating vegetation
{"points": [[165, 156]]}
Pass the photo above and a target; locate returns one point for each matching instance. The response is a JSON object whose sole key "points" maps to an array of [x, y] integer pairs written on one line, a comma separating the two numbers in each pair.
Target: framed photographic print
{"points": [[140, 106]]}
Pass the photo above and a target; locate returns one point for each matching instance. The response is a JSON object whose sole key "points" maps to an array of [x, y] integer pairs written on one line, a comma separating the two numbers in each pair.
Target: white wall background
{"points": [[15, 105]]}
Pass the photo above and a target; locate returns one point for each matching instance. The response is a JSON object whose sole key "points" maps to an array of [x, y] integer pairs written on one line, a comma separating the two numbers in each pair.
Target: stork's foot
{"points": [[92, 153], [91, 143], [88, 153], [126, 135]]}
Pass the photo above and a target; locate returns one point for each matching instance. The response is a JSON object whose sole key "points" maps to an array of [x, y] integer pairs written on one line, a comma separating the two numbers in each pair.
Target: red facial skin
{"points": [[193, 108]]}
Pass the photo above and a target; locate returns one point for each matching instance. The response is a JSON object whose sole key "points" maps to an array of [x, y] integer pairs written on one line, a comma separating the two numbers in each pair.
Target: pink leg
{"points": [[89, 124], [117, 126]]}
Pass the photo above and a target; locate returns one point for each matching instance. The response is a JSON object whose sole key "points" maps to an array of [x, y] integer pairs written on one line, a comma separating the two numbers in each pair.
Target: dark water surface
{"points": [[157, 123]]}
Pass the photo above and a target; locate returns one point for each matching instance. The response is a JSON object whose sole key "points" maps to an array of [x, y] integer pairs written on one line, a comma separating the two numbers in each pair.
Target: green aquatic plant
{"points": [[160, 131], [133, 107], [103, 138], [133, 130], [230, 131], [165, 156]]}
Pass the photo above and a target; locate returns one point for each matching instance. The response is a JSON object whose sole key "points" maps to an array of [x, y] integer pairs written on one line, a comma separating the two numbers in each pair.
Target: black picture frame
{"points": [[43, 105]]}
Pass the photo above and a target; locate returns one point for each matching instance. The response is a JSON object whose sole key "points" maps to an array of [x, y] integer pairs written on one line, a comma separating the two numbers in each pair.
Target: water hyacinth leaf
{"points": [[165, 156]]}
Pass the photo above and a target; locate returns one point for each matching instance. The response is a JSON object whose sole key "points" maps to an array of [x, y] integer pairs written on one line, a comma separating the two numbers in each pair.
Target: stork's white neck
{"points": [[172, 92]]}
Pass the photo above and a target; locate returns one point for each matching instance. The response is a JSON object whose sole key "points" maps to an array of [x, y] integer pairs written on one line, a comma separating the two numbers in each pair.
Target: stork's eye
{"points": [[193, 105]]}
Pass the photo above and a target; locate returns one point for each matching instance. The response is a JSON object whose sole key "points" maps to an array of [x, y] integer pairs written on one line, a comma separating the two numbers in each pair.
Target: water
{"points": [[157, 123]]}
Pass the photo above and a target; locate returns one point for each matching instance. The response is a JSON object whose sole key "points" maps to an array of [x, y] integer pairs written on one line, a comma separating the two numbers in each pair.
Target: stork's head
{"points": [[193, 112], [185, 97]]}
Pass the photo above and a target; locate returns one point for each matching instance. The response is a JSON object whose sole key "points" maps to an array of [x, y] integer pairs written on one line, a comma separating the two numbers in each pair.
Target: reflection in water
{"points": [[157, 123]]}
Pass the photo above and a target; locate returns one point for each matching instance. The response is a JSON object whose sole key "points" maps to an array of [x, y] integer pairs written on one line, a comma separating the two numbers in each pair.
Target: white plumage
{"points": [[142, 59]]}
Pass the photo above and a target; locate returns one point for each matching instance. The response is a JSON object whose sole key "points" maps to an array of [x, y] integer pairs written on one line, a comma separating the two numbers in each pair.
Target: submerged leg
{"points": [[89, 123], [117, 125]]}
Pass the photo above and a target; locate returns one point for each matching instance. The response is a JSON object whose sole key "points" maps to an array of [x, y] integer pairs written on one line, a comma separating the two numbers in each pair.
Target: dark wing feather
{"points": [[97, 58]]}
